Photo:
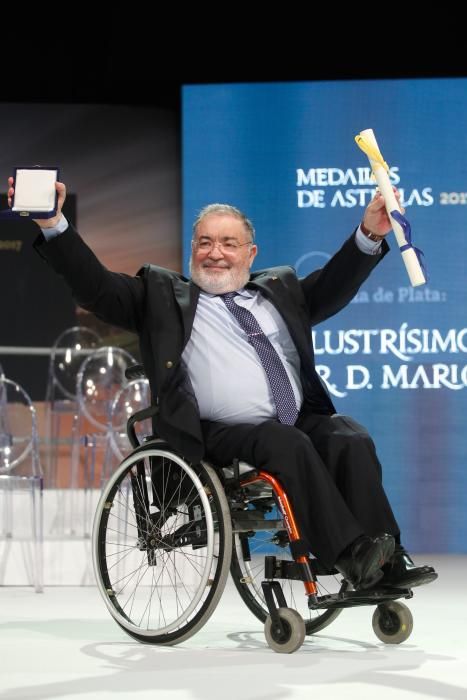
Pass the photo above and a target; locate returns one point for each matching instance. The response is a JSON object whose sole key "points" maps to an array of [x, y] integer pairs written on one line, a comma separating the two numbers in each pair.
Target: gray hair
{"points": [[224, 209]]}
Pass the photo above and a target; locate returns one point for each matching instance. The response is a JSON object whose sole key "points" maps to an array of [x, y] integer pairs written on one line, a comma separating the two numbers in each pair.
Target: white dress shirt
{"points": [[227, 376]]}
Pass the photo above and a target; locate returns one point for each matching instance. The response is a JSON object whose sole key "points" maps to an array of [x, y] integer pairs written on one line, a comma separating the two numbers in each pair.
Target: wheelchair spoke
{"points": [[128, 552], [148, 604], [142, 570], [128, 576]]}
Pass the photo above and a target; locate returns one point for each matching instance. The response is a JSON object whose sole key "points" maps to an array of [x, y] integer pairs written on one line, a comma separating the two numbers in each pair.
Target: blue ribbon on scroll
{"points": [[405, 225]]}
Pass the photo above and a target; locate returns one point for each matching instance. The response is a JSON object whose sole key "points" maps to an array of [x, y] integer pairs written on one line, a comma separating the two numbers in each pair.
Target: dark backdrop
{"points": [[35, 305]]}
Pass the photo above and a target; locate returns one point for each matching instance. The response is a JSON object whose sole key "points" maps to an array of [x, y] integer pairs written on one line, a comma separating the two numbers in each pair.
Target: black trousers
{"points": [[328, 467]]}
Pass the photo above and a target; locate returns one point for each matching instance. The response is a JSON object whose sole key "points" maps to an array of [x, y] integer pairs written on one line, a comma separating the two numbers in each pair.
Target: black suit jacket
{"points": [[160, 306]]}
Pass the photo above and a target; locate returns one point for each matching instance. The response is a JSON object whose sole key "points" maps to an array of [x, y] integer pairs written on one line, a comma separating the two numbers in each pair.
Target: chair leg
{"points": [[78, 444], [89, 475], [37, 533], [8, 511]]}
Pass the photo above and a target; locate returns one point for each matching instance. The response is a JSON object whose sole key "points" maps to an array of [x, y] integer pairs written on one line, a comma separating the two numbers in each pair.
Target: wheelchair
{"points": [[167, 533]]}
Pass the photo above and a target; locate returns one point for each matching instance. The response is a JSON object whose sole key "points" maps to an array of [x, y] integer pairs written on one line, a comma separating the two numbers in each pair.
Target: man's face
{"points": [[221, 254]]}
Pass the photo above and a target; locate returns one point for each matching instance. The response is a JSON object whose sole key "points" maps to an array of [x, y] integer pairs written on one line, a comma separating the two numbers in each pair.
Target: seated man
{"points": [[230, 361]]}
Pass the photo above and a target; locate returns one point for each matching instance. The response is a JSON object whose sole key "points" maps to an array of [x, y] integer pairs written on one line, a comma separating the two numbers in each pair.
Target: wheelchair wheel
{"points": [[247, 570], [392, 622], [162, 544], [293, 635]]}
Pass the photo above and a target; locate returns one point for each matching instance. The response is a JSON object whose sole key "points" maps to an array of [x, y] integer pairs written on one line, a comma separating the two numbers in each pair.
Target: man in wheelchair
{"points": [[229, 357]]}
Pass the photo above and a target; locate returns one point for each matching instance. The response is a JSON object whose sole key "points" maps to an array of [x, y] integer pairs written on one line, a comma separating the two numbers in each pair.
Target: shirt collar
{"points": [[241, 292]]}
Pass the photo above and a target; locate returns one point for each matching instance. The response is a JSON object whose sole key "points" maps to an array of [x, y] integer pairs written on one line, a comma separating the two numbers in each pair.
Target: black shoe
{"points": [[401, 572], [361, 562]]}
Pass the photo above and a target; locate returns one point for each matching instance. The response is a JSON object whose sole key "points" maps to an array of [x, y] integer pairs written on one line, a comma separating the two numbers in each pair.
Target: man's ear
{"points": [[253, 252]]}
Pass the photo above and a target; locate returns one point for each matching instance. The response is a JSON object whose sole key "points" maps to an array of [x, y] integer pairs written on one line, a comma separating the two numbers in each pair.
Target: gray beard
{"points": [[228, 281]]}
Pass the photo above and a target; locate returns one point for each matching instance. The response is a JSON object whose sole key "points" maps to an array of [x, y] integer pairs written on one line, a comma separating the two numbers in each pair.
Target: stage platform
{"points": [[63, 644]]}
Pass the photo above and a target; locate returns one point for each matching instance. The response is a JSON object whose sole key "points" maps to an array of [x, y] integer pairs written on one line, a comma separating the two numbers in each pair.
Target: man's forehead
{"points": [[220, 224]]}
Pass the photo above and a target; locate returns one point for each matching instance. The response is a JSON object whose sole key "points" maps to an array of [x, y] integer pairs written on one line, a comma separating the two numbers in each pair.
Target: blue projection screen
{"points": [[395, 358]]}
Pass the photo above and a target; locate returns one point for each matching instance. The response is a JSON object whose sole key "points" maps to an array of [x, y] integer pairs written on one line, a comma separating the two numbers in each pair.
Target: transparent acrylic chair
{"points": [[21, 482], [100, 378], [67, 355], [131, 398], [72, 346]]}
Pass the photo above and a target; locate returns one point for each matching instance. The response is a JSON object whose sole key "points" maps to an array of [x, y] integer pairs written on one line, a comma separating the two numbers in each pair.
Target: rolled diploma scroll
{"points": [[409, 256]]}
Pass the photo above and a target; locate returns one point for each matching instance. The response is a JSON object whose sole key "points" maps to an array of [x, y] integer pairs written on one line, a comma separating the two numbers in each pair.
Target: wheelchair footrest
{"points": [[351, 599]]}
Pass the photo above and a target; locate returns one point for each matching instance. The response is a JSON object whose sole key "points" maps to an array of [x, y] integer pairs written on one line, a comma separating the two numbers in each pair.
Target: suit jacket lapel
{"points": [[186, 294], [272, 288]]}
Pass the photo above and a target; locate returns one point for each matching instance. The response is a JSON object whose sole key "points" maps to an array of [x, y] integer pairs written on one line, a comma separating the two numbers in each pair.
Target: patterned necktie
{"points": [[279, 381]]}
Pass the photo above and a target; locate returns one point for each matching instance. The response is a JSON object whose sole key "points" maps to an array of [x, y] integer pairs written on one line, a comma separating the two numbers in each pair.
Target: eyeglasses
{"points": [[206, 245]]}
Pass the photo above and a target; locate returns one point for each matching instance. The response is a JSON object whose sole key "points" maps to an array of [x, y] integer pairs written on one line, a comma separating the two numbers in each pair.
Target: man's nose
{"points": [[216, 251]]}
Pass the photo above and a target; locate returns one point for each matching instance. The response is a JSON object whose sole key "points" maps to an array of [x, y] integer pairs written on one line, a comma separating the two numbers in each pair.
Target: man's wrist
{"points": [[60, 227], [369, 234]]}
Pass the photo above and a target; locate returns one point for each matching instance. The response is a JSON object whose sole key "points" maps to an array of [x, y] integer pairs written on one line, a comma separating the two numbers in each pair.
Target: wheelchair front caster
{"points": [[293, 635], [392, 622]]}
